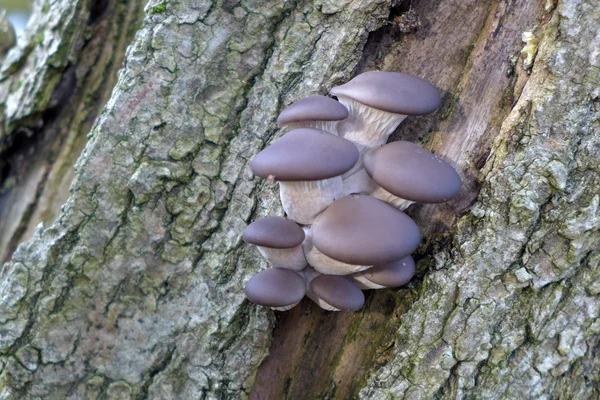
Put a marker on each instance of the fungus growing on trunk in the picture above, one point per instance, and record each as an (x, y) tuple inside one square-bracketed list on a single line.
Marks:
[(394, 274), (318, 112), (280, 289), (308, 164), (336, 293), (279, 240), (378, 101), (407, 173), (358, 232)]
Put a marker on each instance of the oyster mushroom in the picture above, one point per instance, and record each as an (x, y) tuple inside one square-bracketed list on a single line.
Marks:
[(394, 274), (406, 173), (356, 232), (280, 289), (318, 112), (335, 293), (279, 240), (378, 101), (308, 164)]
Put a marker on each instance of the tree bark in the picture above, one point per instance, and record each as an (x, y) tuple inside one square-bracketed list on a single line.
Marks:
[(136, 290)]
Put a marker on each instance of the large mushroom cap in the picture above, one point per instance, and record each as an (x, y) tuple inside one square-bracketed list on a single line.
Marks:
[(394, 274), (338, 292), (305, 154), (313, 108), (408, 171), (275, 287), (361, 230), (393, 92), (274, 232)]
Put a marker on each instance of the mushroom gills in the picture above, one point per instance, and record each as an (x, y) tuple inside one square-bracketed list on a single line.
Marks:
[(361, 183), (327, 126), (363, 283), (304, 200), (366, 127), (325, 264), (284, 258)]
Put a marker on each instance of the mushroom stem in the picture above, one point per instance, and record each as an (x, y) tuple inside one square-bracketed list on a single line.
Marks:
[(309, 274), (292, 258), (327, 126), (304, 200), (366, 127), (325, 264)]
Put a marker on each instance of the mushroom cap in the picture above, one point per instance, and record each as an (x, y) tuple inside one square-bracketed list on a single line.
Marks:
[(313, 108), (305, 154), (408, 171), (394, 274), (393, 92), (274, 232), (275, 287), (338, 292), (361, 230)]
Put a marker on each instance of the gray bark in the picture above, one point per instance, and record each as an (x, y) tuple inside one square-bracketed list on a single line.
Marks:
[(135, 291)]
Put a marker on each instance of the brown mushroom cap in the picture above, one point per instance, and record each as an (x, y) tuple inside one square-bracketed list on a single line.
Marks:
[(313, 108), (393, 92), (274, 232), (275, 287), (305, 154), (408, 171), (361, 230), (338, 292), (394, 274)]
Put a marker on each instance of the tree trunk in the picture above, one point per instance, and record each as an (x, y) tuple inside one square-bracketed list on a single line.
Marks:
[(136, 290)]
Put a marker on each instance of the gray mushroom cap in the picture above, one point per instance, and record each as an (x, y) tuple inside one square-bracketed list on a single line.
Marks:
[(408, 171), (338, 292), (305, 154), (313, 108), (393, 92), (361, 230), (394, 274), (275, 287), (274, 232)]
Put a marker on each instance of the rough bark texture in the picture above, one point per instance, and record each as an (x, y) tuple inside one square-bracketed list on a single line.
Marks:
[(52, 88), (136, 290)]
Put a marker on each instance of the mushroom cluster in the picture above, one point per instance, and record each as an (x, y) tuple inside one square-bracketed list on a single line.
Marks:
[(343, 191)]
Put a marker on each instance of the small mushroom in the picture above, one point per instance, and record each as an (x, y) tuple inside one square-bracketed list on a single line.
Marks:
[(279, 240), (280, 289), (356, 232), (318, 112), (394, 274), (336, 293), (308, 164), (378, 101), (407, 173)]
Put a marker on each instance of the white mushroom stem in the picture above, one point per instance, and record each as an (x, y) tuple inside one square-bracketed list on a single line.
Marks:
[(285, 308), (309, 274), (361, 183), (363, 283), (292, 258), (325, 264), (327, 126), (304, 200), (366, 127)]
